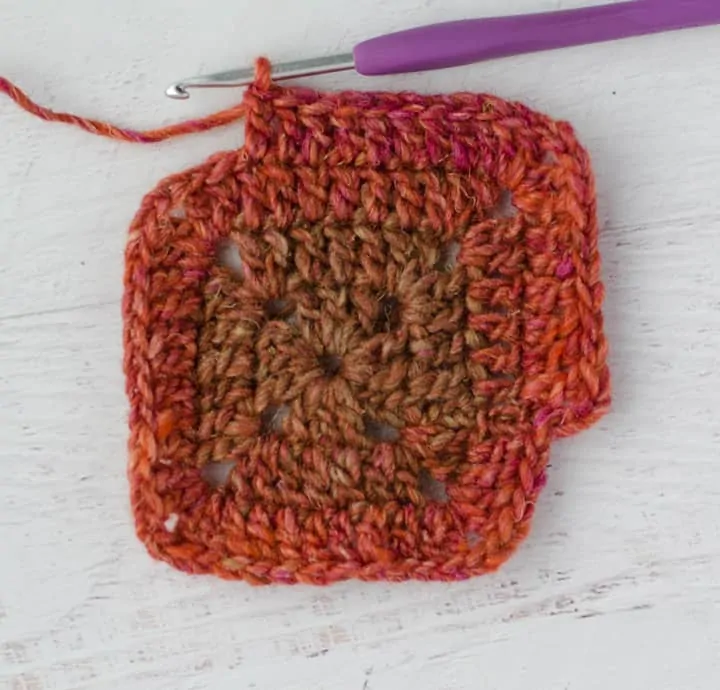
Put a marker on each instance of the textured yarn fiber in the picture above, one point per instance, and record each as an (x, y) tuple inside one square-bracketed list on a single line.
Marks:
[(384, 374)]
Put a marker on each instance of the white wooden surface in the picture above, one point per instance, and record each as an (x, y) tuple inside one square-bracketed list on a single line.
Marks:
[(618, 585)]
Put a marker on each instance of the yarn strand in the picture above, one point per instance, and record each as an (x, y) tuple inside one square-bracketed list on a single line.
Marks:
[(106, 129)]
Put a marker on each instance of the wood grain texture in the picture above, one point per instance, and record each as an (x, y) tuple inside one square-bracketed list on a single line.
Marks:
[(619, 583)]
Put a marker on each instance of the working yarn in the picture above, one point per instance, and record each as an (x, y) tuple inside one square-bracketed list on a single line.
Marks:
[(373, 392)]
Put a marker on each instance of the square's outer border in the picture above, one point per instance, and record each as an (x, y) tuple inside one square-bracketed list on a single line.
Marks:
[(562, 357)]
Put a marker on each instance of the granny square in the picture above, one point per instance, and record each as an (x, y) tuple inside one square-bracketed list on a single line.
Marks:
[(371, 388)]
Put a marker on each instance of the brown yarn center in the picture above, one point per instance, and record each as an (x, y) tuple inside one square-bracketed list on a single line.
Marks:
[(360, 337)]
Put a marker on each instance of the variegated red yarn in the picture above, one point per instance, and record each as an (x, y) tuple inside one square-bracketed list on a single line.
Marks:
[(386, 373), (387, 412)]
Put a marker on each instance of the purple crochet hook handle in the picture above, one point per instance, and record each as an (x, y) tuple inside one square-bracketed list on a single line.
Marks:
[(468, 41)]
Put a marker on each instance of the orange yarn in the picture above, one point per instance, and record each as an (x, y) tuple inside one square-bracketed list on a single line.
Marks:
[(106, 129), (387, 408)]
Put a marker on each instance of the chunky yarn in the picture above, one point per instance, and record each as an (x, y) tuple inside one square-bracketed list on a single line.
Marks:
[(372, 392)]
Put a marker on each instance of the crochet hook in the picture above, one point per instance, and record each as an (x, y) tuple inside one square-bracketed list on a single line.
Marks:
[(456, 43)]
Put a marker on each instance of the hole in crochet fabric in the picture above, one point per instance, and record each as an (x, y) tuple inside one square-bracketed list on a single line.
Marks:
[(279, 309), (217, 474), (272, 418), (178, 212), (380, 432), (331, 364), (228, 256), (431, 488), (504, 207), (171, 522), (448, 257), (388, 318), (473, 539)]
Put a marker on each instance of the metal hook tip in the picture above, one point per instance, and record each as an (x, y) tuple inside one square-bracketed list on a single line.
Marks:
[(245, 77), (177, 91)]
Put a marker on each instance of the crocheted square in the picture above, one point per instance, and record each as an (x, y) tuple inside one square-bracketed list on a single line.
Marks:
[(385, 373)]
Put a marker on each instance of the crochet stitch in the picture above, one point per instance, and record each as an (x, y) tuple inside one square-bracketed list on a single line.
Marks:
[(387, 370)]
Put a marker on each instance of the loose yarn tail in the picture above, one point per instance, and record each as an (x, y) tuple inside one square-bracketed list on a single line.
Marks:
[(106, 129)]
